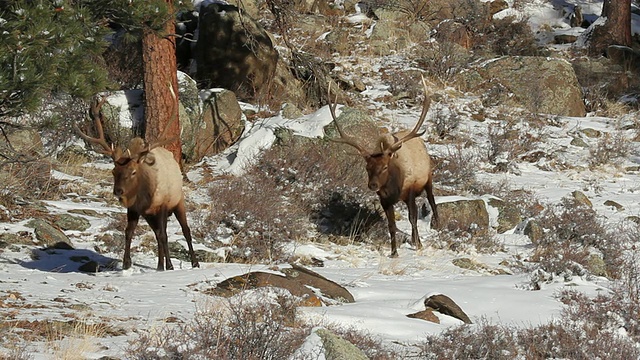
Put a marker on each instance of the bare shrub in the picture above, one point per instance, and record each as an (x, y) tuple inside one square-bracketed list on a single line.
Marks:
[(263, 327), (461, 241), (443, 61), (456, 169), (506, 36), (445, 121), (509, 140), (527, 203), (483, 341), (566, 339), (608, 148), (574, 235), (261, 215)]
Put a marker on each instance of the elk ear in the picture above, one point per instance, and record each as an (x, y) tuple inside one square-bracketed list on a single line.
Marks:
[(148, 158)]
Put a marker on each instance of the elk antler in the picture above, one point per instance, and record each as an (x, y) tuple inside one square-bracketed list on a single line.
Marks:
[(96, 115), (345, 139), (414, 133)]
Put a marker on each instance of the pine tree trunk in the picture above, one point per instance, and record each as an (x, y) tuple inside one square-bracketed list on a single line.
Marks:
[(616, 29), (161, 89)]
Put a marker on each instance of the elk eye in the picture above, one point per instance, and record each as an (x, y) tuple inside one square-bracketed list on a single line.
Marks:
[(133, 172)]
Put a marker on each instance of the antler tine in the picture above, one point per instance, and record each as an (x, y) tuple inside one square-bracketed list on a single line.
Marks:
[(345, 139), (95, 114), (425, 109)]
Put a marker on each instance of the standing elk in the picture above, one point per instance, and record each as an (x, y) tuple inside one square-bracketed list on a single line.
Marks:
[(399, 169), (147, 181)]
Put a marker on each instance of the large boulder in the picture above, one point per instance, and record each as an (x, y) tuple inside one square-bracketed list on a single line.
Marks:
[(219, 126), (461, 214), (542, 84), (233, 51)]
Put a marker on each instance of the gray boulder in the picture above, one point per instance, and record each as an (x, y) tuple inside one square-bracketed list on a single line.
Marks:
[(464, 215), (541, 84)]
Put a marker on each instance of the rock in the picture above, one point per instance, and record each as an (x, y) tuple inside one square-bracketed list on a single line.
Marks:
[(464, 215), (443, 304), (509, 215), (596, 265), (90, 267), (256, 279), (20, 238), (579, 142), (233, 51), (614, 205), (542, 84), (220, 125), (591, 133), (47, 235), (290, 111), (581, 198), (469, 264), (426, 315), (69, 222), (496, 6), (327, 287), (337, 348), (565, 39), (534, 231)]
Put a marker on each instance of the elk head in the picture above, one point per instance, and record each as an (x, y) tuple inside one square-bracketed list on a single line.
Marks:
[(126, 162), (377, 161)]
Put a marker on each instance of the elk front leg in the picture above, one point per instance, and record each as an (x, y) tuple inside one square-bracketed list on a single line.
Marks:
[(391, 220), (181, 215), (413, 220), (132, 222)]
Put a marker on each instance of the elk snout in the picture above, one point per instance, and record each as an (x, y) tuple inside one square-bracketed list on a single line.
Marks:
[(118, 192), (374, 185)]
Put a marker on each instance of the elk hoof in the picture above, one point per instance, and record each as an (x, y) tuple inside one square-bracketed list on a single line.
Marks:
[(195, 264)]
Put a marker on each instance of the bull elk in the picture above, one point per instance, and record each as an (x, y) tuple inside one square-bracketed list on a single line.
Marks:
[(147, 181), (399, 169)]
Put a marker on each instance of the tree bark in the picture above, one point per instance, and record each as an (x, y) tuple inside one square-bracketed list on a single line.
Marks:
[(161, 113), (616, 29)]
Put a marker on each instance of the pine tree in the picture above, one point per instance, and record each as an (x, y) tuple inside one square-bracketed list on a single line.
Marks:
[(152, 22), (48, 47)]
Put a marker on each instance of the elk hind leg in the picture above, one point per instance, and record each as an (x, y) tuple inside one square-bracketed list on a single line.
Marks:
[(432, 202), (413, 220), (181, 215)]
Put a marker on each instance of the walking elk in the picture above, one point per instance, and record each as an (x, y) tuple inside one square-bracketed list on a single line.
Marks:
[(147, 181), (399, 169)]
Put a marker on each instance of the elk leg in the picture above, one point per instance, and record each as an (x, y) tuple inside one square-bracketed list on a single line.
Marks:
[(181, 215), (391, 220), (413, 220), (432, 203), (160, 230), (132, 222)]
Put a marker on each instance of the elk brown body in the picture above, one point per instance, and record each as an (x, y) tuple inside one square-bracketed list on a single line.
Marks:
[(399, 168), (148, 182)]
